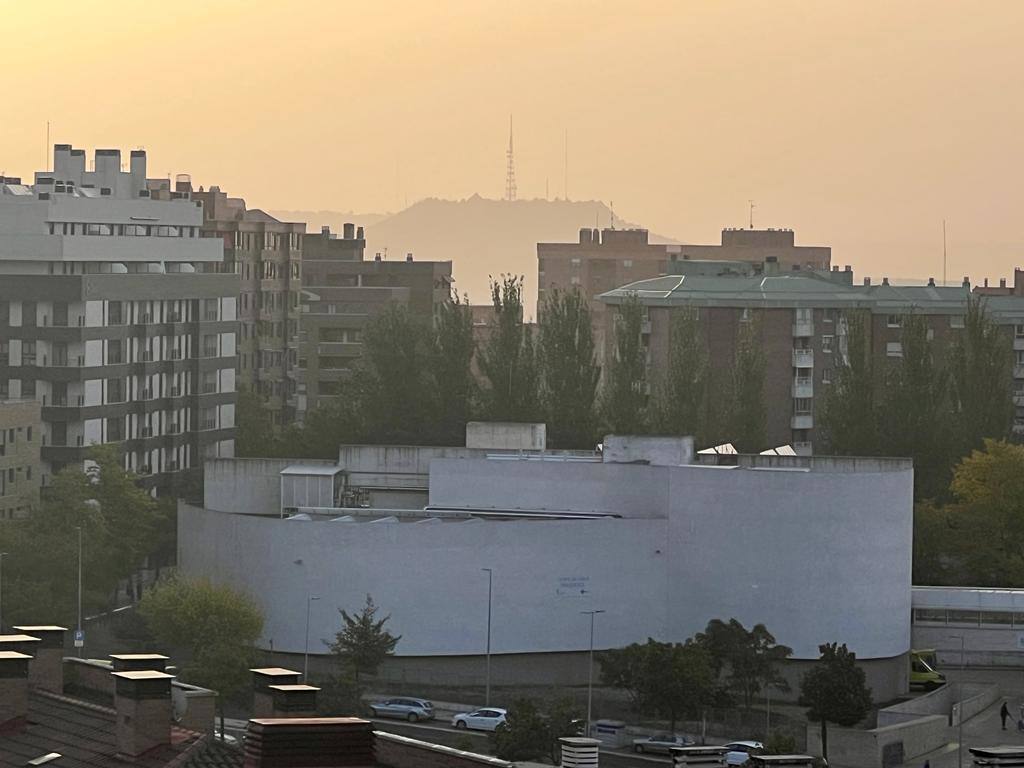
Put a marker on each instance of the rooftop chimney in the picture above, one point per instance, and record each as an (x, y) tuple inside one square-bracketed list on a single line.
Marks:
[(325, 230), (967, 282), (931, 282), (143, 702), (377, 257), (349, 230), (867, 281), (47, 668), (408, 257), (328, 742), (26, 644), (985, 282), (885, 281), (359, 233), (263, 694), (13, 689), (1002, 282), (293, 700), (139, 662), (586, 236)]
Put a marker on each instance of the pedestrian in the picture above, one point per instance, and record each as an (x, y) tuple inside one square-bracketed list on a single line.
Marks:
[(1004, 713)]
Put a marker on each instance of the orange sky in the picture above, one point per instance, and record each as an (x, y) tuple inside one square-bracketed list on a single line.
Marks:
[(859, 124)]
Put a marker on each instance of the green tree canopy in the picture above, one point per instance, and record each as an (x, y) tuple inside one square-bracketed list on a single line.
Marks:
[(747, 412), (835, 690), (507, 360), (849, 421), (748, 659), (624, 387), (568, 370), (682, 401), (524, 736), (362, 643), (452, 349)]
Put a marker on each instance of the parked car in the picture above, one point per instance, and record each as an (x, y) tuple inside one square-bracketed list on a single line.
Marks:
[(740, 751), (660, 743), (404, 708), (486, 719)]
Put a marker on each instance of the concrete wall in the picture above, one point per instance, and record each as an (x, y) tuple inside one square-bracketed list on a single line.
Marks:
[(659, 451), (247, 486), (880, 747), (491, 435), (394, 751)]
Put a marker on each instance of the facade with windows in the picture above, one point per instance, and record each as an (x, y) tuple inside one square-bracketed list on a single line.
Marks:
[(341, 293), (107, 320), (974, 626), (20, 471), (801, 320)]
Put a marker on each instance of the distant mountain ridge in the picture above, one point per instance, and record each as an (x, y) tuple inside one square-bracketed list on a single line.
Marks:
[(481, 237)]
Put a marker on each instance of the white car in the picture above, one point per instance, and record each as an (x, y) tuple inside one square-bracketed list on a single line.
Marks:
[(486, 719), (740, 751)]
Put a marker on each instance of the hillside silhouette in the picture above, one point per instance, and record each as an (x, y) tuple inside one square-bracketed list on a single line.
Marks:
[(480, 237)]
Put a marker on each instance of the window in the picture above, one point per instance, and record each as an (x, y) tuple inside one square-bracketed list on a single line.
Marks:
[(963, 617), (956, 321), (829, 315), (826, 376), (136, 230), (1020, 357), (28, 353), (1018, 331), (99, 229), (627, 263), (574, 280), (999, 618), (166, 231), (826, 343), (894, 321), (803, 315), (575, 261), (802, 405), (745, 315), (893, 349)]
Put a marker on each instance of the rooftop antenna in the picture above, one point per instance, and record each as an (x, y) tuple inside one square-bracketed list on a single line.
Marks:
[(611, 207), (752, 206), (510, 174), (943, 252)]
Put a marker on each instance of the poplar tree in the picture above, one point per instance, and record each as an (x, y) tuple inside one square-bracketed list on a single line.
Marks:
[(748, 414), (451, 367), (682, 392), (507, 359), (849, 418), (624, 389)]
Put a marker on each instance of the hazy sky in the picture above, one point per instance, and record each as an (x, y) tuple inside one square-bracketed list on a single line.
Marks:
[(859, 124)]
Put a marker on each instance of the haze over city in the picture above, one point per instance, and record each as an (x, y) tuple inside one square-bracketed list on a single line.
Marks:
[(860, 126)]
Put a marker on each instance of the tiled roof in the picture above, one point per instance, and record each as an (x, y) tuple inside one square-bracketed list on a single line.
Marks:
[(84, 735), (215, 754)]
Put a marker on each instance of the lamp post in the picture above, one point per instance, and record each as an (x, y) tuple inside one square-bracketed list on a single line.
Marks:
[(79, 633), (490, 594), (590, 670), (960, 705), (305, 660), (2, 555)]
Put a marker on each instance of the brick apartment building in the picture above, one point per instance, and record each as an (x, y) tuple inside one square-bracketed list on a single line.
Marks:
[(266, 255), (341, 292), (21, 430), (606, 259), (108, 320), (802, 319)]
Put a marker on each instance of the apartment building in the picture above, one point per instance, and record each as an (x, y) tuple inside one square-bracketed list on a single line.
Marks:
[(341, 292), (266, 256), (801, 319), (108, 320), (605, 259), (20, 471)]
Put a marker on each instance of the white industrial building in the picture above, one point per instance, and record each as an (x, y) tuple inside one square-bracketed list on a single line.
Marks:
[(818, 549)]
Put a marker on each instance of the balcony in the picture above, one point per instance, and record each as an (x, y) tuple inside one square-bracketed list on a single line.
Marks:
[(1018, 343), (802, 421), (803, 329), (209, 424), (803, 387), (1018, 398), (803, 358), (803, 449)]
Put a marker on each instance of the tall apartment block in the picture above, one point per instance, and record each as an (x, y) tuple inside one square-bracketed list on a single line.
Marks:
[(108, 320), (606, 259), (341, 292), (266, 256), (801, 320), (20, 470)]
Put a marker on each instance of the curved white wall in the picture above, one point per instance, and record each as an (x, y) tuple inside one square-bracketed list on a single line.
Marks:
[(815, 556)]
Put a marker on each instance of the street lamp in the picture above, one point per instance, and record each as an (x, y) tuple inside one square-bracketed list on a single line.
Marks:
[(78, 634), (960, 708), (490, 593), (590, 671), (305, 660), (2, 555)]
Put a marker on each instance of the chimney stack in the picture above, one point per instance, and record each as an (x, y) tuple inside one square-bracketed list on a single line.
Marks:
[(46, 670), (349, 230), (885, 281), (967, 282), (263, 678), (293, 700), (931, 282), (408, 257), (771, 265), (139, 662), (329, 742), (1002, 282), (325, 230), (359, 233), (144, 714), (867, 281), (13, 689)]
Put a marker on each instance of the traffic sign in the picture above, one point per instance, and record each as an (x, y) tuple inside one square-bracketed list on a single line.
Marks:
[(79, 638)]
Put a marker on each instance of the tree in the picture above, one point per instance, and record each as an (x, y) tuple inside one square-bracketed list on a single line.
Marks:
[(682, 393), (451, 368), (747, 407), (255, 434), (848, 418), (562, 719), (525, 734), (914, 419), (667, 679), (568, 371), (362, 644), (215, 625), (980, 364), (748, 658), (624, 389), (507, 359), (835, 690)]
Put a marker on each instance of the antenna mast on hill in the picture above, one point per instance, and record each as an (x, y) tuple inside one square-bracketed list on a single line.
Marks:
[(510, 174), (752, 206), (943, 251)]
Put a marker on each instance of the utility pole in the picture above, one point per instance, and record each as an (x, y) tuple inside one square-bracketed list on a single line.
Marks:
[(590, 672), (487, 679), (79, 633), (305, 660), (510, 173), (752, 206)]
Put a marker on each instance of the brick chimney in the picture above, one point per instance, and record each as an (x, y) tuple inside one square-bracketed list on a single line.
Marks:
[(27, 644), (47, 668), (13, 689), (262, 680), (326, 742), (142, 699), (139, 662), (294, 700)]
